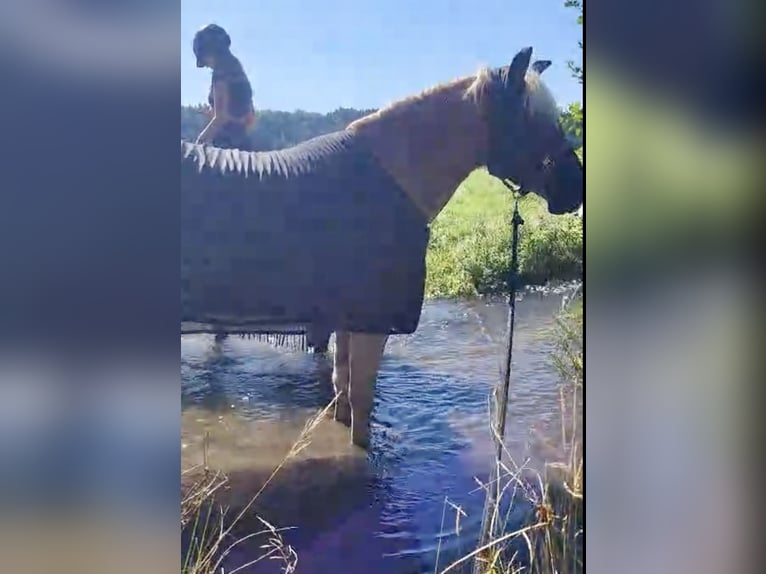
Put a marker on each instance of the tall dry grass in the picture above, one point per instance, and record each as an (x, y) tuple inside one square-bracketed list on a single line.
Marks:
[(210, 532), (551, 539)]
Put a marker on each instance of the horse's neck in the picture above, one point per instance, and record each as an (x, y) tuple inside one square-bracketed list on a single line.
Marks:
[(428, 145)]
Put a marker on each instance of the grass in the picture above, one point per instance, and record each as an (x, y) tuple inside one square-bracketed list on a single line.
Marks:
[(470, 249)]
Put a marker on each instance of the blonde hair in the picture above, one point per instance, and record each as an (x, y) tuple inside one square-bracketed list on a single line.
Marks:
[(541, 100), (406, 103)]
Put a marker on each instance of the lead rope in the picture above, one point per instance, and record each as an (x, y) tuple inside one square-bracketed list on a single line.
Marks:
[(501, 394)]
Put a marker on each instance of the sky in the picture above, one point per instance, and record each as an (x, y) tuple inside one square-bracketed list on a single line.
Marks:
[(319, 55)]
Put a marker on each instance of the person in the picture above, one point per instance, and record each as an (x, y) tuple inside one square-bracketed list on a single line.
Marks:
[(230, 97)]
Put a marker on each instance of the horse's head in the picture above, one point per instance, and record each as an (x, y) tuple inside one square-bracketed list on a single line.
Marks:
[(526, 141)]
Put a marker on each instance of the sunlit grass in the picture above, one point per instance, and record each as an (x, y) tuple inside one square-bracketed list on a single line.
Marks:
[(470, 249)]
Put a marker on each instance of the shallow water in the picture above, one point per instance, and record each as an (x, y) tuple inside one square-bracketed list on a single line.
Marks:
[(383, 511)]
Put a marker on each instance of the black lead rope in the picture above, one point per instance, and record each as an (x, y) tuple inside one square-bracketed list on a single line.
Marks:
[(513, 285), (501, 391)]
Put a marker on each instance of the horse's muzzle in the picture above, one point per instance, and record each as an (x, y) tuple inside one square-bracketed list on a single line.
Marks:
[(565, 185)]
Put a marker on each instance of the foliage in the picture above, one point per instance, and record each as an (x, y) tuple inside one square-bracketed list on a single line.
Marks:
[(470, 249), (572, 122), (577, 71), (572, 117), (279, 129), (275, 129)]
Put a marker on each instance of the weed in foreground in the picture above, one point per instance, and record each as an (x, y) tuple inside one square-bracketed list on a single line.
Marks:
[(552, 535), (210, 537)]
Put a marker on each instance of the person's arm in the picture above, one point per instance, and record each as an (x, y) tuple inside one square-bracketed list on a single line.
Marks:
[(220, 113)]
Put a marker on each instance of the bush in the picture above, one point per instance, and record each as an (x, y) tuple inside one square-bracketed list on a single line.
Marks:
[(470, 249)]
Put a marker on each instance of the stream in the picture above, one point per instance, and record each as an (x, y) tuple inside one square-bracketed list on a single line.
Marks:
[(392, 509)]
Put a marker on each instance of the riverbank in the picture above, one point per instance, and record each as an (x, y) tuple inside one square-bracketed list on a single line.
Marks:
[(470, 249)]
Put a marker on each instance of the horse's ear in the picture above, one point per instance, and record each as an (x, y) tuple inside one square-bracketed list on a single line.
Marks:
[(518, 68), (540, 66)]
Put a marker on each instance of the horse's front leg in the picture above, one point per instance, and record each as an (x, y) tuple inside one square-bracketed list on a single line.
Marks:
[(340, 377), (366, 351)]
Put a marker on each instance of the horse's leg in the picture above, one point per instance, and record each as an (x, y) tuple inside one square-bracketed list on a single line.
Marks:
[(340, 377), (366, 351), (321, 343), (318, 338)]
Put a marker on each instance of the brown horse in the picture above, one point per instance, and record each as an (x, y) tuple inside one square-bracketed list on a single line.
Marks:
[(503, 119), (331, 234)]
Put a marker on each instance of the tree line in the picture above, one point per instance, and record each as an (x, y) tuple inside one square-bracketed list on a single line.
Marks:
[(275, 129), (278, 129)]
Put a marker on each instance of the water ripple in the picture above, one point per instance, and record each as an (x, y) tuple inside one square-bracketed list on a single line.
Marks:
[(430, 434)]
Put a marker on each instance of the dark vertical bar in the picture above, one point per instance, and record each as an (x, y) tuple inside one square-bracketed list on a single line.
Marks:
[(501, 401)]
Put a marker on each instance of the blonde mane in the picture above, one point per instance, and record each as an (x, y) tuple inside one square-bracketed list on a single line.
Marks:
[(406, 104), (429, 142), (541, 100), (478, 88)]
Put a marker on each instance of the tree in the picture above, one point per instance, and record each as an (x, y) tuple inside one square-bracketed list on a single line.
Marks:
[(275, 129), (572, 117), (577, 4)]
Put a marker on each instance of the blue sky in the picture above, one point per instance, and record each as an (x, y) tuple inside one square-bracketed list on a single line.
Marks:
[(318, 55)]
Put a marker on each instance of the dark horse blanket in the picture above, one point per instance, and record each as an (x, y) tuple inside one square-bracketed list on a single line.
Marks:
[(317, 234)]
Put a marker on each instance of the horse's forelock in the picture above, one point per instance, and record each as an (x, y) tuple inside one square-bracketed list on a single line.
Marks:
[(478, 88), (541, 99)]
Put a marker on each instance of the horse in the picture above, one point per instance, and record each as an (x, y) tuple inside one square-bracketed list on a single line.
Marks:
[(412, 156)]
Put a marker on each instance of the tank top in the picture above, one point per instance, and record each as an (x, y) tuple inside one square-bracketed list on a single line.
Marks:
[(240, 101)]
